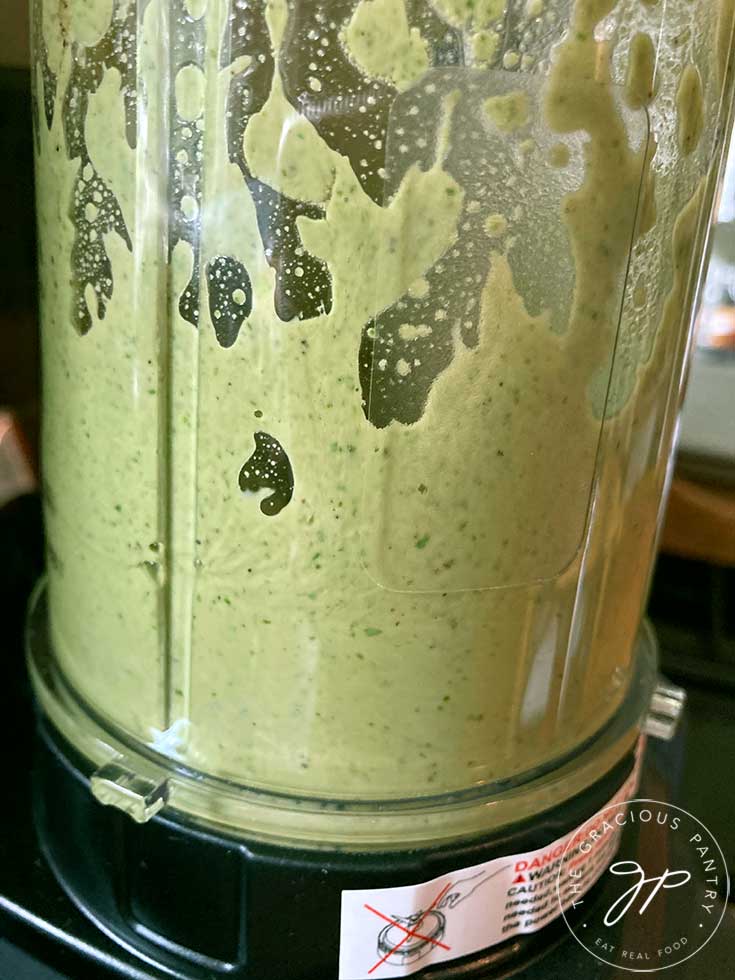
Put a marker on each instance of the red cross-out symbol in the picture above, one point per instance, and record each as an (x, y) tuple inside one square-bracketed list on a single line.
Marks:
[(412, 933)]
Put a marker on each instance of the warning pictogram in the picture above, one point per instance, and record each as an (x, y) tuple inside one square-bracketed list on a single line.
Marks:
[(405, 939), (397, 932)]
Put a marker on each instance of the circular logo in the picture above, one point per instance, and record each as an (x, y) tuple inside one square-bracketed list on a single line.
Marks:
[(661, 885)]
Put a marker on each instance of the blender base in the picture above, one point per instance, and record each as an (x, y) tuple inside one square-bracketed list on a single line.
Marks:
[(196, 904)]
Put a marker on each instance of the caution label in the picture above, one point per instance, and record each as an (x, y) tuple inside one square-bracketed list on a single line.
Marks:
[(394, 932)]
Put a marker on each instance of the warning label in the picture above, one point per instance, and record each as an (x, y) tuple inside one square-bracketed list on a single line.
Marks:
[(393, 932)]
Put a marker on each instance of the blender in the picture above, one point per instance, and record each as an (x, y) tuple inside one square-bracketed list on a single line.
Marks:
[(364, 326)]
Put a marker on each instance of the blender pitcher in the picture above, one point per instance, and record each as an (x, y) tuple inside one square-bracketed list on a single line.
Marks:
[(364, 325)]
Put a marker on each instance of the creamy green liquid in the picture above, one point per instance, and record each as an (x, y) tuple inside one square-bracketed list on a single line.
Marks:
[(428, 610)]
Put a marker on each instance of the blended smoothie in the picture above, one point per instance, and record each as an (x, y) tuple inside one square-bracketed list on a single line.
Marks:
[(362, 323)]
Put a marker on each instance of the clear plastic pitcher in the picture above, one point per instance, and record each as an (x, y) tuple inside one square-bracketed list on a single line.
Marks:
[(364, 325)]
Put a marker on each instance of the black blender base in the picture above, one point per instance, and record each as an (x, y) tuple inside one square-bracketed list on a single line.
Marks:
[(198, 905)]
